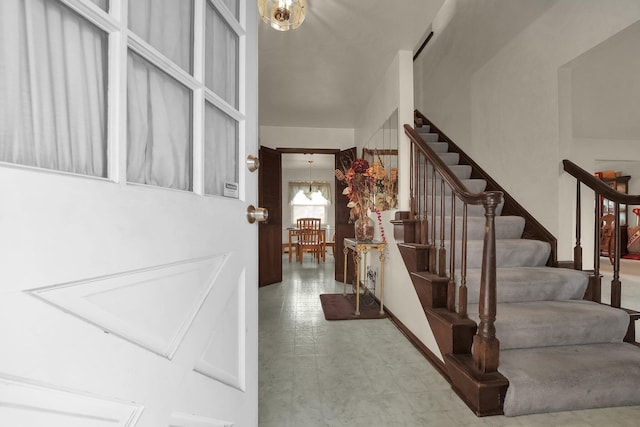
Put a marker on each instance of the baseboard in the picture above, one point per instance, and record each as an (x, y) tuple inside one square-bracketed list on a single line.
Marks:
[(423, 349)]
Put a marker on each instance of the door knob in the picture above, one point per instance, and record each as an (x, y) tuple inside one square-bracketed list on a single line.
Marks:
[(253, 163), (256, 214)]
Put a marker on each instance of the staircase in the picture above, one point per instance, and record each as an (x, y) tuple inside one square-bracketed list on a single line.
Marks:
[(551, 347)]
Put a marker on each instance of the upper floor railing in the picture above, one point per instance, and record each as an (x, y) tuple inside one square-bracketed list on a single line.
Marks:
[(601, 191)]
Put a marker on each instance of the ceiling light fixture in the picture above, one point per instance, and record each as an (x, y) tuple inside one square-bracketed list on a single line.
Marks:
[(309, 193), (283, 15)]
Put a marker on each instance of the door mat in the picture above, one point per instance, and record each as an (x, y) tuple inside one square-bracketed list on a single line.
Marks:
[(343, 307)]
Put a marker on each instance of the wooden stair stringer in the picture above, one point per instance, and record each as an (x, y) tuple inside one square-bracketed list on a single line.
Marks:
[(483, 393)]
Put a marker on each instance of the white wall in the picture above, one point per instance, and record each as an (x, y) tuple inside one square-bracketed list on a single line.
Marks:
[(501, 103), (294, 137), (395, 91)]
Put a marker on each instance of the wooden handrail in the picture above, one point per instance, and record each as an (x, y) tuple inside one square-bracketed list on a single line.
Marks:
[(533, 229), (601, 190), (486, 347), (599, 186), (454, 182)]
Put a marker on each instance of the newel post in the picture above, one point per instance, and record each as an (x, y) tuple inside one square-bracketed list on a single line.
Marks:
[(486, 347)]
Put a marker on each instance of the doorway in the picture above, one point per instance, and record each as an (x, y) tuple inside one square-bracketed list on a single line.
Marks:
[(293, 164)]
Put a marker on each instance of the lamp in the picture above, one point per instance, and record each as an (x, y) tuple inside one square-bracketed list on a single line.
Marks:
[(283, 15), (309, 193)]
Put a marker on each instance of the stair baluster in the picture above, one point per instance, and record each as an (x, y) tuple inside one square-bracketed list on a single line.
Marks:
[(577, 250), (442, 252), (602, 191), (451, 289), (424, 224), (462, 291), (412, 200), (616, 287), (595, 282), (432, 239)]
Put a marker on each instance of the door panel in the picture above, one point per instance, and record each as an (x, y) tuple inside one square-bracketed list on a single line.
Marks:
[(343, 227), (130, 305), (270, 231)]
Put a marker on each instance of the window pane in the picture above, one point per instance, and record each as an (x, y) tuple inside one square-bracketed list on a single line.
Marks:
[(220, 151), (53, 88), (103, 4), (221, 68), (308, 211), (167, 25), (158, 127)]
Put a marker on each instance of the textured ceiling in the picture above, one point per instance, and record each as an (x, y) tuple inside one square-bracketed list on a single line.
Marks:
[(322, 73)]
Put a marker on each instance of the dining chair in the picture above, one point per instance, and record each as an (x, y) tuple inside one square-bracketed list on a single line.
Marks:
[(309, 238)]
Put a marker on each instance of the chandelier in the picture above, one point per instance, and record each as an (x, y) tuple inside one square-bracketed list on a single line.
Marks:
[(283, 15), (309, 193)]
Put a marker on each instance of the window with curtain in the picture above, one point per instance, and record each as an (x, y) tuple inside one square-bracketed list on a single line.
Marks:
[(53, 85), (54, 74), (309, 200)]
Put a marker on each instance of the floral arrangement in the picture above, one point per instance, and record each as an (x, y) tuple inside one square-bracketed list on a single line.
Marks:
[(385, 188), (360, 182)]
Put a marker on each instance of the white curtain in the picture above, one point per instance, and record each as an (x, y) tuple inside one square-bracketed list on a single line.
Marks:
[(323, 187), (221, 130), (165, 25), (221, 59), (220, 150), (158, 107), (158, 127), (52, 88)]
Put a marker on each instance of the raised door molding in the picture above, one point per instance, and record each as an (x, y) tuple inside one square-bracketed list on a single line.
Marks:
[(26, 403), (179, 419), (223, 360), (151, 307)]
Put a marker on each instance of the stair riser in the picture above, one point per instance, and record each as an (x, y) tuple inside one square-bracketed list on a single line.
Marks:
[(528, 284), (472, 210), (506, 227), (509, 253), (556, 323)]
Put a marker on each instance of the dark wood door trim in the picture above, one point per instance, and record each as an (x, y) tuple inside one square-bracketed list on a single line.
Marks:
[(343, 227), (270, 231)]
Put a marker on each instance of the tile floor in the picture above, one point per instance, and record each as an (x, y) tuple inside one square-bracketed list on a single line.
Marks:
[(363, 372)]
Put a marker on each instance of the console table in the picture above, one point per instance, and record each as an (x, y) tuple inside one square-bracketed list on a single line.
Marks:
[(360, 249)]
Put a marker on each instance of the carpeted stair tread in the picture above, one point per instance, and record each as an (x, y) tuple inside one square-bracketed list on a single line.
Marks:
[(554, 323), (473, 185), (507, 227), (461, 171), (429, 137), (439, 147), (558, 351), (524, 284), (568, 378), (509, 253), (423, 129), (449, 158), (472, 210)]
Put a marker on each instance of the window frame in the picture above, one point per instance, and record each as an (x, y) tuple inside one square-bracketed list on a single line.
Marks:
[(120, 39)]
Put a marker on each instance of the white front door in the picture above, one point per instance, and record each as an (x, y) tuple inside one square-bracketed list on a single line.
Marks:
[(125, 302)]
